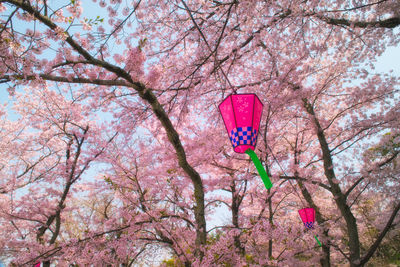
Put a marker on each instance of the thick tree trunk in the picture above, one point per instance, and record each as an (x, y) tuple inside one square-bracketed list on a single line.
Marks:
[(147, 95), (235, 218), (340, 198), (173, 137)]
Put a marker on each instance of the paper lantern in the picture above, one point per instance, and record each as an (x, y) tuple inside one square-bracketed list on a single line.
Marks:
[(307, 215), (242, 115)]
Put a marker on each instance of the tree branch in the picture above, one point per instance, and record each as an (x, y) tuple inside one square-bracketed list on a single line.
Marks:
[(357, 7), (48, 77), (387, 23), (388, 160), (353, 186), (378, 241), (327, 187)]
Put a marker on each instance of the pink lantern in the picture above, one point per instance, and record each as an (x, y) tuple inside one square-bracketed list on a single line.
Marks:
[(308, 217), (242, 114), (38, 264)]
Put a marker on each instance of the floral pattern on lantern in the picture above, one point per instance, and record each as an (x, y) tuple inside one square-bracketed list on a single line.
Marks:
[(242, 114)]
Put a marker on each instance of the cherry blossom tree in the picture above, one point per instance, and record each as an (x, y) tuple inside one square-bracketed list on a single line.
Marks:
[(134, 90)]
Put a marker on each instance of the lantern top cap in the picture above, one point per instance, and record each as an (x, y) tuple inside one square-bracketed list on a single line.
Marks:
[(240, 94), (307, 209)]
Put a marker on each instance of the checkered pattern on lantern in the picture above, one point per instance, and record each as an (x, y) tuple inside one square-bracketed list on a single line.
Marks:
[(309, 224), (243, 136)]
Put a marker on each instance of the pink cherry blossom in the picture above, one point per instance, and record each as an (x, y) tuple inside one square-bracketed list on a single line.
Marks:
[(113, 151)]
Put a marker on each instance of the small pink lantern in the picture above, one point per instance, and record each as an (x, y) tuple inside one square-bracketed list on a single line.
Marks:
[(242, 115), (308, 217), (38, 264)]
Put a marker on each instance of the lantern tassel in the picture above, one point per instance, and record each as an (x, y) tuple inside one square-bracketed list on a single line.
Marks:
[(260, 168), (319, 243)]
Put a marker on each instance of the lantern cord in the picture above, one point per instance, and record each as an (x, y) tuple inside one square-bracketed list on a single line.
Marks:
[(294, 188), (260, 168), (319, 243)]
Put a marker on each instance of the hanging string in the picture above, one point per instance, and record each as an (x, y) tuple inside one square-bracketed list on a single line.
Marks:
[(294, 188), (227, 79), (208, 45)]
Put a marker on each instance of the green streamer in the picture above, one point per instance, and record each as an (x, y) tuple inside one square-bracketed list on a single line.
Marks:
[(260, 168), (319, 243)]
